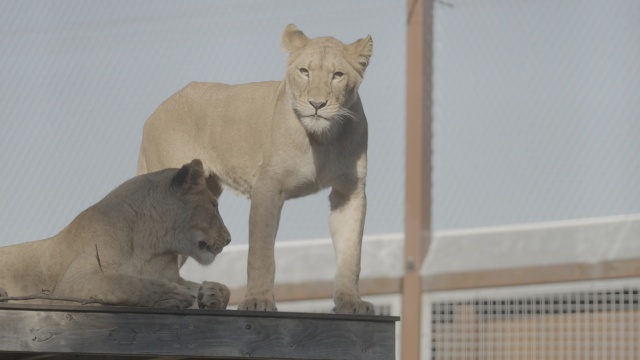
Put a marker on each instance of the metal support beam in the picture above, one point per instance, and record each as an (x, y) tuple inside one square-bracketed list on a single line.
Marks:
[(418, 168)]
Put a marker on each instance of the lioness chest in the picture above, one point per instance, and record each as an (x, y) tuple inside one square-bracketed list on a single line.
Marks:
[(313, 167)]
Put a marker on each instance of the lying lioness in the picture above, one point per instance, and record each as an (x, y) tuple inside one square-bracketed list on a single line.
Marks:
[(123, 249)]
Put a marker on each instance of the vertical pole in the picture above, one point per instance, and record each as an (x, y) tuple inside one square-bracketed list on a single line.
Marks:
[(418, 168)]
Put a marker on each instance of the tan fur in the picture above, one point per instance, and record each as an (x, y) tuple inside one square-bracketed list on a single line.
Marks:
[(268, 142), (123, 249)]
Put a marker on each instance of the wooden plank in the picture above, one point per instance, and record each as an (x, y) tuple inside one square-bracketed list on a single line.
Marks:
[(530, 275), (102, 330)]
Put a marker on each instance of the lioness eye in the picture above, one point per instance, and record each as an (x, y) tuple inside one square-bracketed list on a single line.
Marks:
[(337, 75), (304, 72)]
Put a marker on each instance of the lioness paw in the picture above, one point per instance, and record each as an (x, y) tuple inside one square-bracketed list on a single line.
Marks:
[(257, 304), (354, 307), (213, 296), (175, 296), (3, 293)]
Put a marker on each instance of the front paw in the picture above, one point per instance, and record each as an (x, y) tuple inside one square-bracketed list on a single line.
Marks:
[(213, 296), (256, 303), (175, 296), (355, 306), (3, 293)]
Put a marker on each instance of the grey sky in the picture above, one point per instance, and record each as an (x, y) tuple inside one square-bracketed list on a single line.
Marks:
[(536, 103), (80, 78), (537, 111)]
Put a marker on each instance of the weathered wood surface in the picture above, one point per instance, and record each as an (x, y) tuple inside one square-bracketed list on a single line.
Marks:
[(123, 331)]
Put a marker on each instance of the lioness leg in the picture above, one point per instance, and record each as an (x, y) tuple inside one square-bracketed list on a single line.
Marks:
[(3, 294), (213, 295), (122, 289), (264, 217), (347, 223)]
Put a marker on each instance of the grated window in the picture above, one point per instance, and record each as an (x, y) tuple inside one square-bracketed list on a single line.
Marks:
[(571, 325), (384, 310)]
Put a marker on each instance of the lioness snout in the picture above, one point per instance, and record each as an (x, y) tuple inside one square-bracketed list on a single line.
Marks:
[(228, 240), (317, 104)]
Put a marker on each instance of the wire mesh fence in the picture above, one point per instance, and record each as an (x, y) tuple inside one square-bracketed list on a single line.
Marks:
[(536, 118), (595, 324)]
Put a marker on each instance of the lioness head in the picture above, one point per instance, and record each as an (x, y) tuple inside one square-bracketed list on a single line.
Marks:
[(323, 76), (199, 229)]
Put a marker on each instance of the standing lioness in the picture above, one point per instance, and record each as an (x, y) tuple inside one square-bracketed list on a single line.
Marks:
[(123, 249), (277, 140)]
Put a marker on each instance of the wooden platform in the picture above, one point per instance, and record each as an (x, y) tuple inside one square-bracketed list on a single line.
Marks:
[(105, 332)]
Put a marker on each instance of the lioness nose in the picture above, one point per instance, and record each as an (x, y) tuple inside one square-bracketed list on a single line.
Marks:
[(228, 240), (317, 104)]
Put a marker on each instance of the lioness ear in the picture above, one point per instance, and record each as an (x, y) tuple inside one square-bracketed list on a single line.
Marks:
[(362, 49), (189, 175), (293, 39)]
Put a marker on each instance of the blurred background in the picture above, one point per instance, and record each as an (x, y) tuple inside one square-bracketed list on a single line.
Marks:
[(79, 79), (536, 143), (536, 103)]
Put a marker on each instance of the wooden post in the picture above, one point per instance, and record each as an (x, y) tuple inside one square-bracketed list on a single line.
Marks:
[(418, 168)]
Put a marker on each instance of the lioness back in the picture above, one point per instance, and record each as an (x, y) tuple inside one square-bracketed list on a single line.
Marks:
[(217, 115)]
